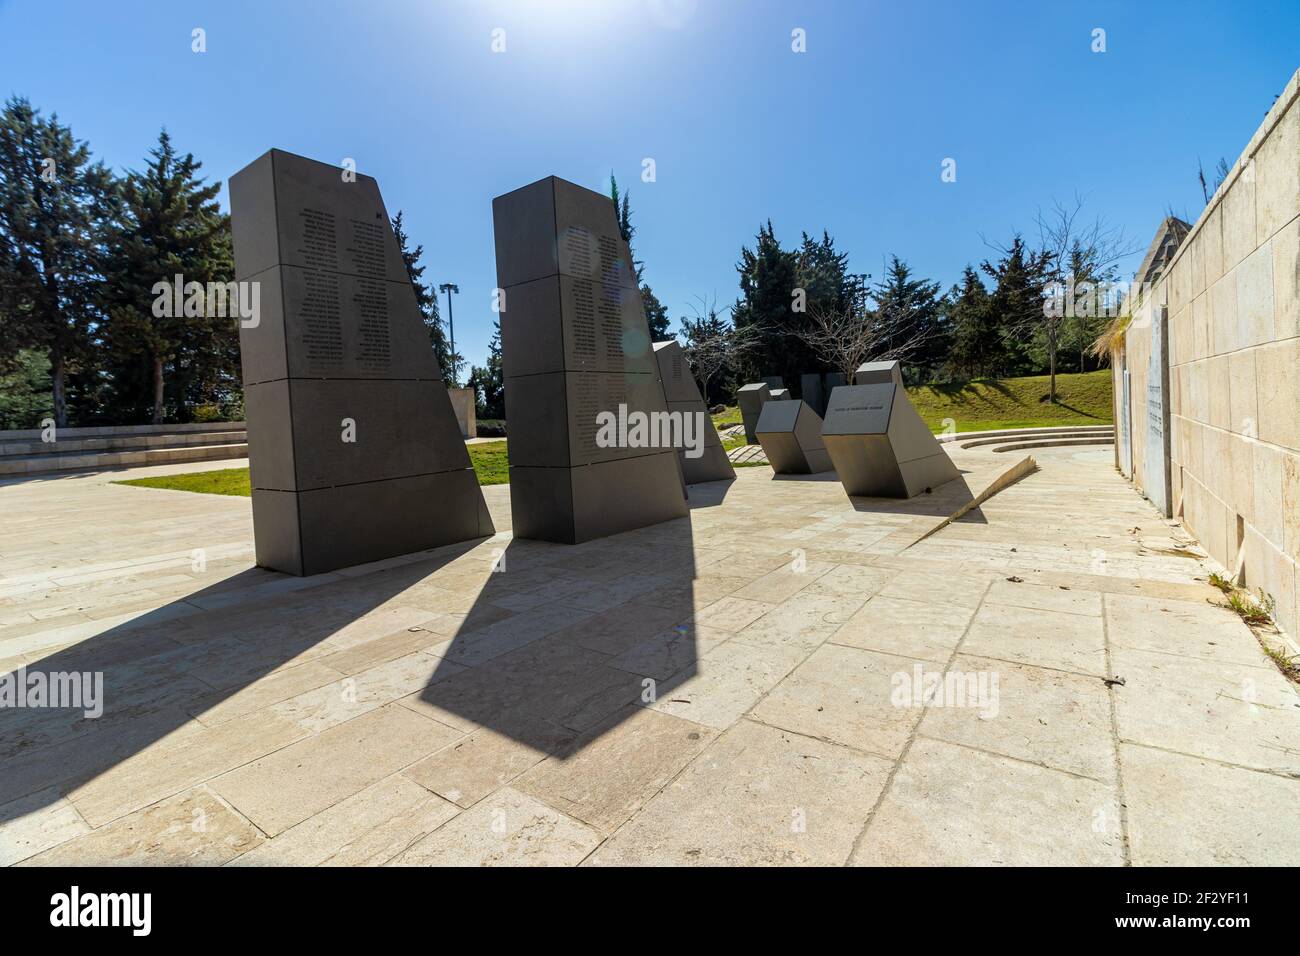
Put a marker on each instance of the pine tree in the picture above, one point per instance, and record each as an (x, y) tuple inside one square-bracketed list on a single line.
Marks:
[(911, 307), (427, 301), (656, 313), (1020, 278), (779, 288), (768, 278), (489, 382), (24, 389), (170, 226), (56, 210), (976, 344)]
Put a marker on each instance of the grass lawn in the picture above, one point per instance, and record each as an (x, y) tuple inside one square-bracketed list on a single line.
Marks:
[(489, 460), (1016, 402), (974, 406), (1002, 403)]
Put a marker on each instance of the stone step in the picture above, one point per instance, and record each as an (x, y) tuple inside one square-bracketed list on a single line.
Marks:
[(1107, 434), (119, 442), (1055, 443), (45, 464), (103, 431)]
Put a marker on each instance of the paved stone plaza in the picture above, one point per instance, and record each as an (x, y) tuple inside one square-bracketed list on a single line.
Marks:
[(720, 689)]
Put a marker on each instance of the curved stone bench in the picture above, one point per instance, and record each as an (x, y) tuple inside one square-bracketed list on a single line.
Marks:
[(1034, 436), (1054, 443)]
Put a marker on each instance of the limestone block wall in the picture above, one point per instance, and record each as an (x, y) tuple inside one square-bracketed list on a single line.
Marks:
[(1233, 299)]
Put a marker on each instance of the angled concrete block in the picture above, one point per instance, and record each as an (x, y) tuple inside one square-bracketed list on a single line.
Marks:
[(790, 433), (878, 373), (751, 399), (354, 450), (684, 399), (810, 384), (780, 395), (879, 444), (576, 347)]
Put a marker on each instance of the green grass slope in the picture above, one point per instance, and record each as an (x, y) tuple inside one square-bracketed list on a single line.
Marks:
[(489, 458), (1081, 399), (988, 404)]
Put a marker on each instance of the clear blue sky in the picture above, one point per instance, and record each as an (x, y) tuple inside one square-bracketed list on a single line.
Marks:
[(848, 136)]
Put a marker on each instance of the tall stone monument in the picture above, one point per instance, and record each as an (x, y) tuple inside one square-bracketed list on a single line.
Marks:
[(880, 445), (791, 435), (684, 399), (751, 398), (354, 452), (576, 351)]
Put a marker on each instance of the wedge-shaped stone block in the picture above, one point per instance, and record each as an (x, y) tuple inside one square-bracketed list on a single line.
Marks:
[(575, 354), (708, 460), (315, 531), (350, 428), (879, 444), (878, 373), (791, 435), (751, 399), (810, 385), (572, 505)]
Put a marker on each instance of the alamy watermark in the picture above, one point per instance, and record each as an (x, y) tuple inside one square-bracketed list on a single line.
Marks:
[(75, 690), (922, 688), (219, 300), (637, 429)]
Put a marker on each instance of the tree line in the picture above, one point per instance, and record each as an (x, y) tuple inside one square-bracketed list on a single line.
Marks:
[(803, 308), (81, 251)]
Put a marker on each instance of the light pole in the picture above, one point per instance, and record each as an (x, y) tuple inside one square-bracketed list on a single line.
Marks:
[(449, 288)]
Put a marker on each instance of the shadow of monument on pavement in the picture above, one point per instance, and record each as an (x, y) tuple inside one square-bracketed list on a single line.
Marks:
[(167, 667), (597, 629)]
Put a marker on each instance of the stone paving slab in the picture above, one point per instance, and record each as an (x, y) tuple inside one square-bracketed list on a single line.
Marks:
[(733, 688), (951, 805)]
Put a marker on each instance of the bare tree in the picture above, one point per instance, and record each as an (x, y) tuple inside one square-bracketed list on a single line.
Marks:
[(845, 337), (714, 344), (1084, 255)]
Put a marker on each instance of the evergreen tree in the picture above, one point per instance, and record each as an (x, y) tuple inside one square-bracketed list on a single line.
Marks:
[(56, 209), (912, 308), (778, 290), (489, 382), (1020, 278), (426, 298), (768, 277), (24, 389), (170, 226), (976, 343), (656, 313)]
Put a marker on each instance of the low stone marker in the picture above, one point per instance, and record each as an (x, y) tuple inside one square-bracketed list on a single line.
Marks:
[(684, 399), (462, 403), (878, 373), (810, 384), (751, 399), (790, 433), (780, 395), (879, 444)]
